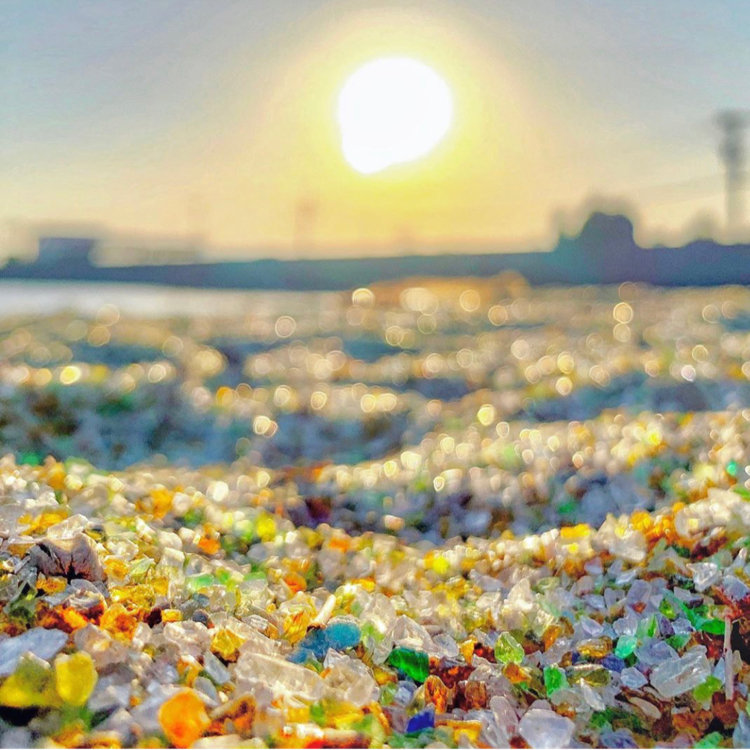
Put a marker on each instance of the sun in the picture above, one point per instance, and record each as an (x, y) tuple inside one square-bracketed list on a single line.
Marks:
[(390, 111)]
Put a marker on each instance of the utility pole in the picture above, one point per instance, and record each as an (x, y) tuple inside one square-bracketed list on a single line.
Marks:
[(732, 124)]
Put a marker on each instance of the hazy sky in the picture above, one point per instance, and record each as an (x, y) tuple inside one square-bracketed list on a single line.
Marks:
[(216, 116)]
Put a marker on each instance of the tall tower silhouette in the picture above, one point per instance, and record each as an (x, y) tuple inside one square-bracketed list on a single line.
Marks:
[(732, 124)]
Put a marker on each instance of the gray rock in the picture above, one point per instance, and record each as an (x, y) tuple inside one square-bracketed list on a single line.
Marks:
[(543, 728), (41, 642)]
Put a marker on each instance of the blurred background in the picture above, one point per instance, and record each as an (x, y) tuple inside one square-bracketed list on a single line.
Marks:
[(178, 131), (339, 238)]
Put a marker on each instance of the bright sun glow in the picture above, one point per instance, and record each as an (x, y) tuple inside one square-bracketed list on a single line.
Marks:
[(392, 111)]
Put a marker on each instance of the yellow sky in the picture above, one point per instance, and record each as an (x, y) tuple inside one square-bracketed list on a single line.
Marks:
[(230, 134), (481, 182)]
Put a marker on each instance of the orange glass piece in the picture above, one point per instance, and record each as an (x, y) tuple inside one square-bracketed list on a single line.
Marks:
[(516, 674), (71, 736), (340, 543), (235, 717), (436, 692), (475, 695), (119, 623), (184, 719), (62, 618), (209, 545), (550, 635), (295, 582)]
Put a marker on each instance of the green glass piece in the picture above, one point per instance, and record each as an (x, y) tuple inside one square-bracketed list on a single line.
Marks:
[(23, 606), (318, 714), (715, 627), (387, 692), (140, 568), (601, 720), (678, 641), (732, 471), (567, 508), (706, 689), (508, 650), (646, 628), (193, 517), (626, 645), (554, 679), (667, 609), (414, 664), (196, 583), (710, 740)]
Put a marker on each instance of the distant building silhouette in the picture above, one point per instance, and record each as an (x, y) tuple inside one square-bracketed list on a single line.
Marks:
[(65, 251), (603, 252)]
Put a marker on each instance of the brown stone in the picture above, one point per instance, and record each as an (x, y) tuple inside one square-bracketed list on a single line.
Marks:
[(73, 558), (725, 711), (472, 694), (693, 723)]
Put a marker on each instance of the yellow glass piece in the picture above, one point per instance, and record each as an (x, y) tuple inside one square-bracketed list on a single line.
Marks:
[(75, 677), (226, 644), (162, 501), (41, 523), (296, 624), (467, 650), (116, 568), (438, 563), (56, 477), (140, 596), (51, 585), (571, 533), (265, 527), (470, 729), (32, 684), (641, 520)]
